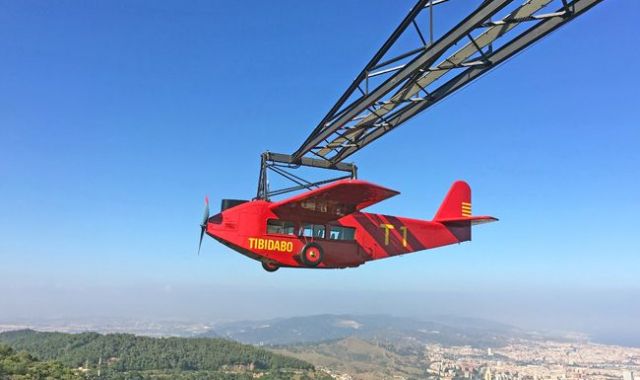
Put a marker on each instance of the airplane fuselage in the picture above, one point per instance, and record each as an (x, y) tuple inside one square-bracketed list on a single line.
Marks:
[(254, 230)]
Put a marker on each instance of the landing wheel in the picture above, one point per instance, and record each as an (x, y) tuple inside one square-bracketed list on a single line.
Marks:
[(270, 266), (311, 254)]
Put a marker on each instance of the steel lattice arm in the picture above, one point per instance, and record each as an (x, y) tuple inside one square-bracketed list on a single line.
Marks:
[(410, 82)]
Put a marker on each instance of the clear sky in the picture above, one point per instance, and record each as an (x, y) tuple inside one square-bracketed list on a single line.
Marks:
[(116, 118)]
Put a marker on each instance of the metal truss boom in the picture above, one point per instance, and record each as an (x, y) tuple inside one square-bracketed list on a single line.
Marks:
[(404, 84)]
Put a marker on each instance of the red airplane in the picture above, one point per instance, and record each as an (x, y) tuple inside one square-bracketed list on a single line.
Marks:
[(325, 228)]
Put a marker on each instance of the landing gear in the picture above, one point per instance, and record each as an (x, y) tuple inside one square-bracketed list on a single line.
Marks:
[(311, 254), (270, 266)]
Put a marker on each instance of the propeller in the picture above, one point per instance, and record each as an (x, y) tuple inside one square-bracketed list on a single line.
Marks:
[(203, 225)]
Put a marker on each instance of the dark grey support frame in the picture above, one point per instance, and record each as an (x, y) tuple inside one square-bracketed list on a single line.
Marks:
[(408, 86), (282, 164), (413, 81)]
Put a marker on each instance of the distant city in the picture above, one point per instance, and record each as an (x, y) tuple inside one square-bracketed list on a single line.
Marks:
[(349, 347)]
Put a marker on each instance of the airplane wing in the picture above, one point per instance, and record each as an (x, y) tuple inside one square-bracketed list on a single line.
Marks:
[(331, 202)]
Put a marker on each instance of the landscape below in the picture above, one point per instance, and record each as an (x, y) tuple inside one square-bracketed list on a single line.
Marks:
[(125, 356), (344, 347)]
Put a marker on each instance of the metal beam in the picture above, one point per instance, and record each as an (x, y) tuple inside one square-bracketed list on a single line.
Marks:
[(310, 162), (455, 60), (328, 126), (525, 39), (372, 63)]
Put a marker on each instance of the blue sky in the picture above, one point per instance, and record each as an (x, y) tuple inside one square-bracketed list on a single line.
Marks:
[(116, 118)]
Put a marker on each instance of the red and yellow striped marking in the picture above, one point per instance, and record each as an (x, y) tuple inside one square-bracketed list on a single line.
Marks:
[(466, 209)]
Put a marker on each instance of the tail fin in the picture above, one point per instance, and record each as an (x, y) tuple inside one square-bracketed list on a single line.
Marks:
[(455, 212), (457, 203)]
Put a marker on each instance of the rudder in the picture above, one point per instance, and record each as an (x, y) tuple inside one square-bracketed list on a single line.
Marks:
[(457, 202)]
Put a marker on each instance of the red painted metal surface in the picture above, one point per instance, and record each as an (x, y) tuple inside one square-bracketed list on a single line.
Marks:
[(330, 216), (331, 202)]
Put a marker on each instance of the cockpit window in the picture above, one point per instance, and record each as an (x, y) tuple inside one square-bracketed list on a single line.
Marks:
[(282, 227)]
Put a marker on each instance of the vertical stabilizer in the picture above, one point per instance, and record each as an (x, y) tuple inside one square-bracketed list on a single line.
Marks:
[(457, 203), (455, 212)]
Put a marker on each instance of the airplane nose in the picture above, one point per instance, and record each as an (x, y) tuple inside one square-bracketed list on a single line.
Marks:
[(216, 219)]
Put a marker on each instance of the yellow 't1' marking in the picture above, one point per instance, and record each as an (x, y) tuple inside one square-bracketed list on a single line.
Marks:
[(387, 227), (404, 235)]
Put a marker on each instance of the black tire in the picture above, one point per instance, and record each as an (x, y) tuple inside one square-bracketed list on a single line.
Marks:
[(269, 266), (311, 254)]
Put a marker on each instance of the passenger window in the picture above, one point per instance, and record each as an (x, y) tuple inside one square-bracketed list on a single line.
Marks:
[(318, 231), (341, 233), (306, 230), (282, 227), (313, 230)]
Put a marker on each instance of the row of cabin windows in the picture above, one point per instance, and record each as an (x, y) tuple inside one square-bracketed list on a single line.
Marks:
[(318, 231)]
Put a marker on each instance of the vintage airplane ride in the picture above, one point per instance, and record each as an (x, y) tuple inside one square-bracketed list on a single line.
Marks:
[(325, 228)]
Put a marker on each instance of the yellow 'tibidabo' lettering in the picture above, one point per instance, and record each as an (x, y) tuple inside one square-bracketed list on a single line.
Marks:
[(270, 244)]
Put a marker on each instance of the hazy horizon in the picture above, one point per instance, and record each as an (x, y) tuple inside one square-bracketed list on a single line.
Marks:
[(607, 316)]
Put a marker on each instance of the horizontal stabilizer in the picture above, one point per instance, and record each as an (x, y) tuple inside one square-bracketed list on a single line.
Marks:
[(463, 220)]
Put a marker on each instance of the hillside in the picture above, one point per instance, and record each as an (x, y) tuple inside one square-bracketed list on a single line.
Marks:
[(157, 357), (21, 365), (363, 360), (316, 328)]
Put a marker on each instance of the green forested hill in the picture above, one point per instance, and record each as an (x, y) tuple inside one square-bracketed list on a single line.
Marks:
[(125, 353), (21, 365)]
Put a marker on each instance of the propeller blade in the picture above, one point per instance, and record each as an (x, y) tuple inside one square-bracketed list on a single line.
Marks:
[(203, 225), (206, 211), (201, 236)]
